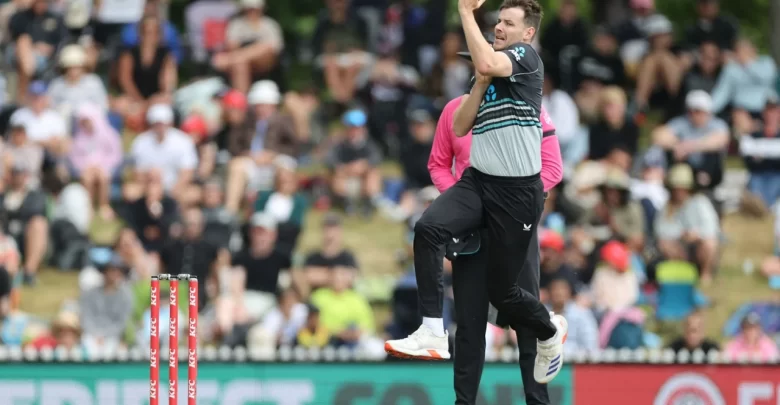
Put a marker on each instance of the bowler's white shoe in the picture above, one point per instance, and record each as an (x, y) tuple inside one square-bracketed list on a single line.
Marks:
[(421, 345), (549, 353)]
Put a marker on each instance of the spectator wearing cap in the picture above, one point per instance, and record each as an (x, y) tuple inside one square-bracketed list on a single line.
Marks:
[(648, 189), (449, 77), (254, 43), (25, 208), (688, 228), (320, 264), (752, 342), (95, 155), (615, 285), (36, 32), (167, 151), (285, 203), (701, 74), (697, 138), (19, 149), (597, 66), (414, 161), (255, 277), (583, 333), (632, 28), (106, 310), (76, 85), (344, 312), (354, 164), (613, 130), (147, 71), (712, 26), (660, 72), (170, 35), (339, 43), (553, 264), (234, 111), (43, 125), (761, 152), (198, 129), (266, 133), (743, 85)]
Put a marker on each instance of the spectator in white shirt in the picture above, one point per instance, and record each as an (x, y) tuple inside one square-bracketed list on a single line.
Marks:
[(76, 86), (44, 126), (167, 152), (281, 325), (566, 117), (583, 329)]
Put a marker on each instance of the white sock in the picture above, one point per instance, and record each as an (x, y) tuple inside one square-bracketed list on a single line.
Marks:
[(435, 324)]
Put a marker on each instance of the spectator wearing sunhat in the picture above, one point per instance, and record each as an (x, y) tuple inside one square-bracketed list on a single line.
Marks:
[(76, 85), (617, 216), (752, 342), (688, 228), (65, 333), (698, 138), (165, 152), (354, 164), (106, 310), (254, 43), (265, 133)]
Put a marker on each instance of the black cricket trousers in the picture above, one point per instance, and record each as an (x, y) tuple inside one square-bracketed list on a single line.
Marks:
[(469, 284), (509, 208)]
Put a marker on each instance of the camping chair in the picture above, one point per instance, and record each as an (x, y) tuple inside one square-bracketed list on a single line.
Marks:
[(677, 294)]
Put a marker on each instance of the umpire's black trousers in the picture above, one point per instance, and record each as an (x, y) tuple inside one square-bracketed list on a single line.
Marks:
[(509, 209), (469, 284)]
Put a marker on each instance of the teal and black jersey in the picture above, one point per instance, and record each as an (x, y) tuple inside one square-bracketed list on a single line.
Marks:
[(507, 133)]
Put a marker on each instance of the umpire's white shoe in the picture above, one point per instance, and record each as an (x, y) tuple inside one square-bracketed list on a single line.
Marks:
[(549, 353), (421, 345)]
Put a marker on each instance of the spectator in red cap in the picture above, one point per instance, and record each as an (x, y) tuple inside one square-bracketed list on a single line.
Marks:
[(615, 285), (553, 264), (234, 108), (196, 127)]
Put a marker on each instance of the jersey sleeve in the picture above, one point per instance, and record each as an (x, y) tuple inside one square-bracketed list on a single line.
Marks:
[(524, 59), (548, 127)]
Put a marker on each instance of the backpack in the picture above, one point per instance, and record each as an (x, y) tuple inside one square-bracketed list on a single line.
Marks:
[(626, 335)]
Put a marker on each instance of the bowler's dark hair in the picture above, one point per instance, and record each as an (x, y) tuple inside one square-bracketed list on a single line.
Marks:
[(533, 11)]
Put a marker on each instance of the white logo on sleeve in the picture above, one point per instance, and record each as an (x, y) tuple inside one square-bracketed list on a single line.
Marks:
[(526, 227)]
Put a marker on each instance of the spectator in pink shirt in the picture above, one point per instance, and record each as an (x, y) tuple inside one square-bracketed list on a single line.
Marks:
[(752, 342), (449, 158), (95, 155)]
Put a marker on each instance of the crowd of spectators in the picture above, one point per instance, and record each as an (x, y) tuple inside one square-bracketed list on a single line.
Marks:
[(206, 173)]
